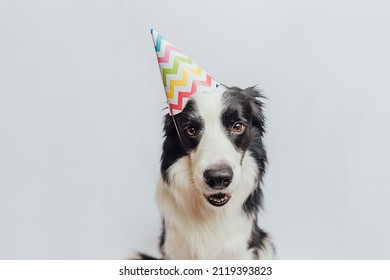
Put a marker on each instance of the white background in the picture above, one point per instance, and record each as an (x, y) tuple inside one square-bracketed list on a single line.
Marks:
[(81, 104)]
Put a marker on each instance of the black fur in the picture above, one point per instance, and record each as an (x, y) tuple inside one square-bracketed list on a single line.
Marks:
[(141, 256), (237, 108), (162, 238), (172, 148), (257, 237)]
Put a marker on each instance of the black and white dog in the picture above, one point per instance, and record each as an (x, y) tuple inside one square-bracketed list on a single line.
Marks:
[(212, 165)]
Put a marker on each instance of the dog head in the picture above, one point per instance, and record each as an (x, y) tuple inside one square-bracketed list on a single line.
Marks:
[(216, 130)]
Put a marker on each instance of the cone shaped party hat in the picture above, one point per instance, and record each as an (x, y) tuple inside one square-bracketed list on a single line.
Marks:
[(181, 76)]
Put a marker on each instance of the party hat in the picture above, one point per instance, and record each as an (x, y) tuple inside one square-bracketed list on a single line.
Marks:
[(181, 76)]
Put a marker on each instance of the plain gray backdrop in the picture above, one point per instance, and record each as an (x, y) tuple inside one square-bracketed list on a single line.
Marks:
[(81, 107)]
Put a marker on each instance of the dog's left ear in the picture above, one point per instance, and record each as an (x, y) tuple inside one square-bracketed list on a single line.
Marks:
[(255, 97)]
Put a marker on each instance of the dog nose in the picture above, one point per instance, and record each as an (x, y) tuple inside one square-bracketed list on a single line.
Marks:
[(219, 177)]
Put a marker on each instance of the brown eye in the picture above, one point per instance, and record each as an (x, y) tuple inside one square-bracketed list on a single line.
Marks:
[(238, 128), (191, 131)]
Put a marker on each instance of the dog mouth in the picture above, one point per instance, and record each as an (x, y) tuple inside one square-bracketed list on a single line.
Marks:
[(218, 199)]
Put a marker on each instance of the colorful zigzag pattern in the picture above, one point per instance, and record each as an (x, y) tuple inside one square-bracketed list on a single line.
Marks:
[(181, 76)]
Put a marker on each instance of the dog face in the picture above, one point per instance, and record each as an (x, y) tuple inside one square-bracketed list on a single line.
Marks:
[(215, 130)]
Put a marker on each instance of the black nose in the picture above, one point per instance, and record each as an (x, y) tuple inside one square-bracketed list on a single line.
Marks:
[(219, 177)]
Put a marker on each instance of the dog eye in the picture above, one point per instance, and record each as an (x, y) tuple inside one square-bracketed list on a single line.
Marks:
[(238, 128), (190, 130)]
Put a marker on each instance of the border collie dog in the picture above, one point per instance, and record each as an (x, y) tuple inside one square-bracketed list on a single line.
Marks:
[(212, 164)]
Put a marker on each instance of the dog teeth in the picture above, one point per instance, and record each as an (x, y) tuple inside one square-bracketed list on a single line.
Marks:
[(217, 199)]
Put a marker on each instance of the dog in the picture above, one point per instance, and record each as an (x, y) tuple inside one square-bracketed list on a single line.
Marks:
[(212, 164)]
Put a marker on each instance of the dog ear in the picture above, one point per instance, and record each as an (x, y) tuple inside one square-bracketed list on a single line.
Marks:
[(172, 148), (169, 126), (257, 106)]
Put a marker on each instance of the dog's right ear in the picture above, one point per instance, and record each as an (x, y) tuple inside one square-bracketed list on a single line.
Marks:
[(169, 126), (257, 105), (172, 148)]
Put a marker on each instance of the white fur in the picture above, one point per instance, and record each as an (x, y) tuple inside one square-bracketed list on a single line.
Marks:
[(194, 229), (214, 147)]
